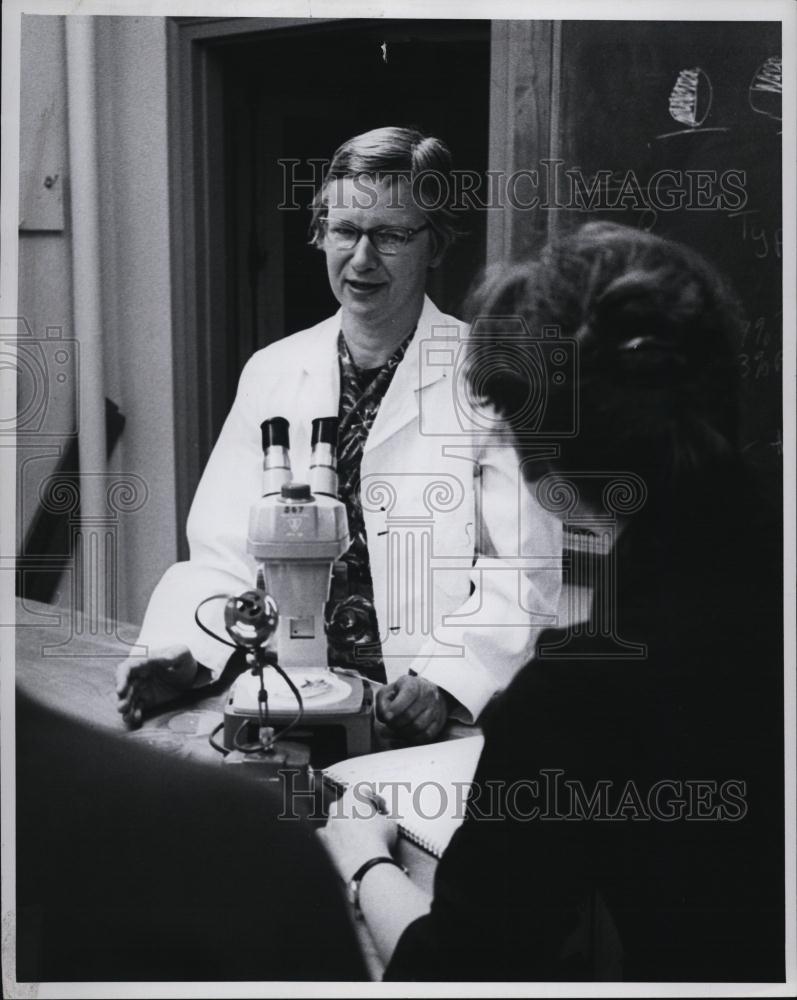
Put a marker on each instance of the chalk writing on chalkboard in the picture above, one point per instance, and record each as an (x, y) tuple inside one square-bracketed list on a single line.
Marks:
[(766, 89), (714, 188), (765, 242), (761, 356), (690, 102), (691, 97)]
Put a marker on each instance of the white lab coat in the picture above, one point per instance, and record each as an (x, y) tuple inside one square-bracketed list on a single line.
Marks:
[(450, 524)]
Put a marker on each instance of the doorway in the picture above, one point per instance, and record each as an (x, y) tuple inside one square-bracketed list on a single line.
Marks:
[(288, 102), (246, 96)]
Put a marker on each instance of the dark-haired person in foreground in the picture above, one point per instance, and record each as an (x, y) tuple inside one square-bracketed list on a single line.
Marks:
[(674, 872), (133, 864)]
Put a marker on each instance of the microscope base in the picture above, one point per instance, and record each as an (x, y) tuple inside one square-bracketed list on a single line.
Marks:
[(337, 721)]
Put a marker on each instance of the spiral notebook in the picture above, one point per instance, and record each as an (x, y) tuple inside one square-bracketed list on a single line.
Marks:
[(425, 789)]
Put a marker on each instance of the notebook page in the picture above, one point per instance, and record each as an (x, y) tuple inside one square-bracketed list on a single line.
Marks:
[(424, 788)]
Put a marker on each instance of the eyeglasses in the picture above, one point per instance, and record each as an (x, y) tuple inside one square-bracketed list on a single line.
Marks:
[(386, 240)]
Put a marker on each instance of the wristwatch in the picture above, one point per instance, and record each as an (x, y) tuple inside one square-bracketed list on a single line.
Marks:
[(353, 888)]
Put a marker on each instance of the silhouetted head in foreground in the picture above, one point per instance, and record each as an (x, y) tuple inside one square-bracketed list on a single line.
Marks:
[(651, 329)]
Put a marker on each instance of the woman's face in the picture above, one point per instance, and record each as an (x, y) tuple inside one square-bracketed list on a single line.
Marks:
[(382, 291)]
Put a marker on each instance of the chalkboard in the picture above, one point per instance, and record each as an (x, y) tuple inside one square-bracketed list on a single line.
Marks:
[(675, 127)]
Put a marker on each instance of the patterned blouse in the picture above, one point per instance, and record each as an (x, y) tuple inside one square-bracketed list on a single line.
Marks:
[(353, 632)]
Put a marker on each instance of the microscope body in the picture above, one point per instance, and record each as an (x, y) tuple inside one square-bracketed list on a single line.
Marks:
[(296, 537), (296, 534)]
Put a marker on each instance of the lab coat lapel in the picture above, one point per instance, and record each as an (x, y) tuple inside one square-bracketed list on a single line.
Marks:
[(314, 393), (401, 402), (320, 362)]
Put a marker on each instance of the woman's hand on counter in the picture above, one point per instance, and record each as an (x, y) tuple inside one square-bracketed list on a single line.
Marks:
[(144, 683), (413, 708)]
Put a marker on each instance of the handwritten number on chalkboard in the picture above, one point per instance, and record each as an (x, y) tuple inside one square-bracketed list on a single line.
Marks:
[(761, 365), (762, 336), (756, 328), (760, 239)]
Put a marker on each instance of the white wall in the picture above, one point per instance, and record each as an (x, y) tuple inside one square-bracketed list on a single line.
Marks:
[(137, 304), (45, 278), (134, 204)]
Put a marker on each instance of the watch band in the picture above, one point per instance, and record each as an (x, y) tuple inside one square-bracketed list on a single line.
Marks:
[(357, 877)]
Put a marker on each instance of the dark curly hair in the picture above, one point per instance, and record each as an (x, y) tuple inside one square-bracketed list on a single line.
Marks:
[(654, 328)]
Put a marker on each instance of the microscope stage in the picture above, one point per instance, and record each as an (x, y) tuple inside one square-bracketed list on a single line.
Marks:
[(322, 691)]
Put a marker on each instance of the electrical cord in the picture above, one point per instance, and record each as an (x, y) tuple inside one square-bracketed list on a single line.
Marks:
[(262, 701), (212, 739), (297, 695), (250, 748), (245, 748), (210, 632)]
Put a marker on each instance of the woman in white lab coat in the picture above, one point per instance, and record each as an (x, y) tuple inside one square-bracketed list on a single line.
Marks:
[(457, 572)]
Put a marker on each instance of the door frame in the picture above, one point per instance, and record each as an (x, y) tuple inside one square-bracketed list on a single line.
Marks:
[(197, 227), (523, 128)]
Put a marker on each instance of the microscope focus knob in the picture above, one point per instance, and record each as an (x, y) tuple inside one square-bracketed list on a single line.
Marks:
[(296, 492)]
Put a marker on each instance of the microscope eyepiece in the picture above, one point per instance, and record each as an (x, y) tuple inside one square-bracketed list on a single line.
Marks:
[(274, 433), (276, 454), (323, 460), (325, 430)]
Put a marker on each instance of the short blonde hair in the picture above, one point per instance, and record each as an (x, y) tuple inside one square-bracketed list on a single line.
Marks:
[(392, 153)]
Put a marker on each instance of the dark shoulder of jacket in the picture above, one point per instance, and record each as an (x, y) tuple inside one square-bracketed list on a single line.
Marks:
[(548, 687)]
